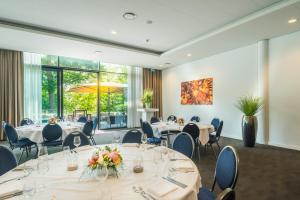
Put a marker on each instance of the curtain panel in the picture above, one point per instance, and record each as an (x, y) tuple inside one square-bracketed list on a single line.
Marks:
[(152, 79), (11, 87)]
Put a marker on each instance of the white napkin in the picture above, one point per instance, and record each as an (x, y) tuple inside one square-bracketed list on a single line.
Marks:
[(161, 188), (184, 166), (10, 189), (130, 145)]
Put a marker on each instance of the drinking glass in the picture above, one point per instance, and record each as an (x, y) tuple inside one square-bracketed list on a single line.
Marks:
[(116, 140), (144, 142), (29, 188), (77, 141), (156, 159), (42, 165), (66, 151)]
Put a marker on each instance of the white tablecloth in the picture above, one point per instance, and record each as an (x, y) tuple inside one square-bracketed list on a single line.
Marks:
[(205, 129), (62, 184), (34, 132)]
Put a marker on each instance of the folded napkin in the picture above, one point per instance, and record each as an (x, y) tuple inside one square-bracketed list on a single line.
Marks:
[(183, 166), (161, 188), (130, 145), (9, 189)]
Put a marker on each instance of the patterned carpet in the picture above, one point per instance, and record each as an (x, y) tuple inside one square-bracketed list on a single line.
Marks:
[(265, 172)]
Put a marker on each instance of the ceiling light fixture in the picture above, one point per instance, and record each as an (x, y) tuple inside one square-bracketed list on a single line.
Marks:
[(292, 20), (129, 16), (160, 65), (167, 63), (149, 21), (189, 55), (113, 32)]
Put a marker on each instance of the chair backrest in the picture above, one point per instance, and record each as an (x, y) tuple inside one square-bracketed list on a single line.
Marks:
[(141, 122), (147, 129), (172, 118), (11, 133), (133, 136), (52, 132), (219, 130), (195, 119), (82, 119), (8, 160), (95, 123), (215, 122), (69, 139), (227, 194), (88, 128), (192, 129), (154, 120), (26, 121), (184, 143), (226, 171)]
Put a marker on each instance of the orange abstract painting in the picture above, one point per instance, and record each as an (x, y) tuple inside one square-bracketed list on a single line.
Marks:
[(197, 92)]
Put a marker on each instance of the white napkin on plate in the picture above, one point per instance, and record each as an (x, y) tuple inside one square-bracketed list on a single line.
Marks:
[(10, 189), (130, 145), (161, 188), (183, 166)]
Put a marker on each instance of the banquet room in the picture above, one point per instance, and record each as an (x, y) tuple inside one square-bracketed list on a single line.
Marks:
[(149, 100)]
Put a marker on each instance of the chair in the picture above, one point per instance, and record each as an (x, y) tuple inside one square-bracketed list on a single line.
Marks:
[(215, 138), (226, 173), (52, 135), (69, 140), (88, 130), (215, 122), (82, 119), (195, 119), (26, 121), (8, 160), (184, 143), (147, 129), (194, 131), (133, 136), (141, 122), (172, 118), (227, 194), (15, 142), (154, 120)]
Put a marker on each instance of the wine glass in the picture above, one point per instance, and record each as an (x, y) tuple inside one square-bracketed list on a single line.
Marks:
[(77, 141), (164, 149), (116, 140), (42, 165), (156, 159), (66, 151), (144, 141)]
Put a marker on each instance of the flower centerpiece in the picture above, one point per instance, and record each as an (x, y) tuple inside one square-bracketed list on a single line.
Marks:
[(52, 120), (106, 157), (181, 121), (147, 97)]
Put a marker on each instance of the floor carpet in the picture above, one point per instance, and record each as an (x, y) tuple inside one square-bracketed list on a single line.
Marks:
[(265, 172)]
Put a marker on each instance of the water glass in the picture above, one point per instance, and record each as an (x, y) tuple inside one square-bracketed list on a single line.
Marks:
[(72, 162), (77, 141), (156, 159), (29, 188), (66, 151)]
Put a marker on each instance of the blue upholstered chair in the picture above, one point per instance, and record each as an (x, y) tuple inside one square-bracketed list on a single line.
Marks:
[(26, 121), (88, 130), (95, 124), (69, 140), (82, 119), (194, 131), (52, 135), (226, 173), (147, 129), (227, 194), (184, 143), (132, 136), (195, 119), (215, 122), (172, 118), (8, 160), (15, 142), (154, 120), (214, 139), (141, 122)]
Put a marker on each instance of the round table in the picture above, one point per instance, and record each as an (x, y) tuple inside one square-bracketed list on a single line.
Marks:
[(205, 129), (62, 184), (34, 132)]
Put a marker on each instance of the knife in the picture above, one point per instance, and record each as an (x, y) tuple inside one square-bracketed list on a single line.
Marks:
[(182, 185), (11, 195)]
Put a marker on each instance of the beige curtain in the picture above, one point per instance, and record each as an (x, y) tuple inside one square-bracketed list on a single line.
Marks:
[(152, 79), (11, 87)]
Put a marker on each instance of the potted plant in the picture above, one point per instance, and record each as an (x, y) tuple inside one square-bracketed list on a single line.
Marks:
[(147, 97), (249, 106)]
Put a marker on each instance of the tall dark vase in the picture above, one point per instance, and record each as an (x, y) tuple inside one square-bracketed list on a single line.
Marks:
[(249, 128)]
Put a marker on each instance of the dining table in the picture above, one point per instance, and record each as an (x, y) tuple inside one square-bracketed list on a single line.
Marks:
[(173, 177), (34, 131), (205, 129)]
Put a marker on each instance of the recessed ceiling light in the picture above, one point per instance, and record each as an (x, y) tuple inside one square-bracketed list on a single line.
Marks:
[(113, 32), (189, 55), (129, 16), (160, 65), (292, 20), (147, 40), (167, 63), (98, 52), (149, 21)]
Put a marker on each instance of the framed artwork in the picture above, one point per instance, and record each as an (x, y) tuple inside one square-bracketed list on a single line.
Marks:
[(198, 92)]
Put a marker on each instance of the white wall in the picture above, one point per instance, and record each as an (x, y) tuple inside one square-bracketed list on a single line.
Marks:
[(234, 74), (284, 91)]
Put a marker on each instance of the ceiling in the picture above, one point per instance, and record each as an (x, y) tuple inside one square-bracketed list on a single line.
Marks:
[(202, 28)]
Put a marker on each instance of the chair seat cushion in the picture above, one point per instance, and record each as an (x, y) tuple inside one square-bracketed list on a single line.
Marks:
[(206, 194), (52, 143), (24, 142), (154, 140)]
